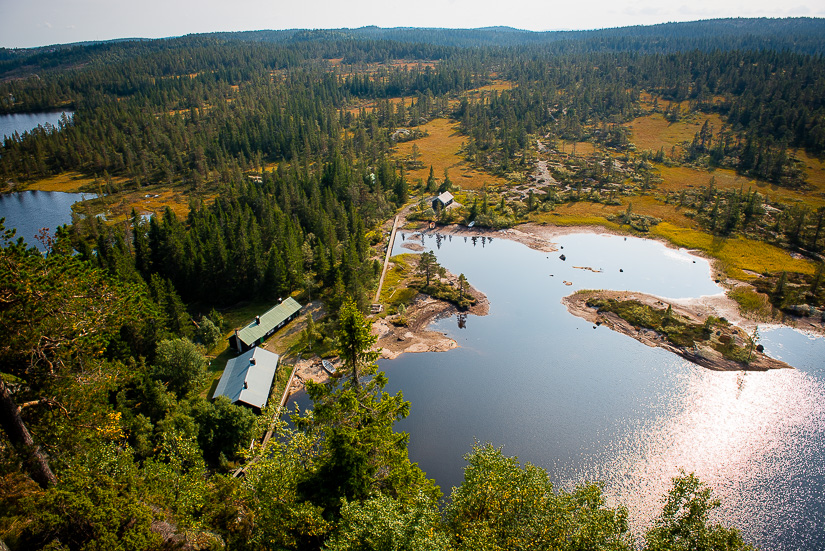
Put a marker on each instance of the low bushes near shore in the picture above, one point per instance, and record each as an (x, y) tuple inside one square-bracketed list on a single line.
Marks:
[(445, 291), (751, 303), (433, 283), (795, 293), (396, 294), (715, 332)]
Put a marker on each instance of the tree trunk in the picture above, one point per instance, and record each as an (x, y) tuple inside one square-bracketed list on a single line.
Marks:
[(34, 460)]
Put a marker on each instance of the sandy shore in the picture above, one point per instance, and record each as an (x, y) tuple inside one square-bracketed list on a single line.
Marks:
[(415, 337), (704, 356), (308, 370)]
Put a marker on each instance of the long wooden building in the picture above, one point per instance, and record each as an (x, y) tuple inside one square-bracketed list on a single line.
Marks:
[(265, 325)]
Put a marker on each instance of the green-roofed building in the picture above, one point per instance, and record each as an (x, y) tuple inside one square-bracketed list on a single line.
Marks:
[(265, 325)]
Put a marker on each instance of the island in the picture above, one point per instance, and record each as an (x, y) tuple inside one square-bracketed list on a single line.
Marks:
[(705, 340)]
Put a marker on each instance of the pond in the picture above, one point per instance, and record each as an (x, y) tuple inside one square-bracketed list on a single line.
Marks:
[(25, 122), (30, 211), (592, 404)]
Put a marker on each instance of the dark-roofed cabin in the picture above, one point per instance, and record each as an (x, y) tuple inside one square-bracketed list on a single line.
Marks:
[(443, 200), (265, 325), (247, 379)]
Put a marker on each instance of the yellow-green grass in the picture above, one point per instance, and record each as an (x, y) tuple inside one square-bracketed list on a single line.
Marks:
[(369, 105), (496, 85), (676, 178), (395, 290), (567, 219), (582, 149), (653, 132), (120, 206), (372, 67), (243, 314), (413, 64), (814, 169), (738, 255), (283, 341), (71, 182), (650, 206), (593, 212), (646, 102), (587, 209), (441, 150), (581, 213), (279, 383), (754, 304), (215, 369), (398, 270)]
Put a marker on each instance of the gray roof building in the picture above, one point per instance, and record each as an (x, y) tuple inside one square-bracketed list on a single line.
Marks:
[(445, 199), (265, 325), (247, 379)]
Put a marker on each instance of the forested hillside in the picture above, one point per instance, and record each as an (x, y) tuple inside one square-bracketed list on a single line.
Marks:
[(286, 152)]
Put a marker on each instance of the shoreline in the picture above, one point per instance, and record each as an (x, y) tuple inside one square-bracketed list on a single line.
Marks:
[(396, 340), (540, 237), (417, 338)]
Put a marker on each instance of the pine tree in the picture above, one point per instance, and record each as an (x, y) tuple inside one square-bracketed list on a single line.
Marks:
[(431, 183)]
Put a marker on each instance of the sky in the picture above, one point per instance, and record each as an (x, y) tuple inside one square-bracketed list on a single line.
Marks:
[(29, 23)]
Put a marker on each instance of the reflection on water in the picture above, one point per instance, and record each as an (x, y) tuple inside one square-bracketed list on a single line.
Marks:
[(755, 438), (591, 404)]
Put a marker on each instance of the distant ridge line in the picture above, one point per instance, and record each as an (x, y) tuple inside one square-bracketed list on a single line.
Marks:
[(797, 34)]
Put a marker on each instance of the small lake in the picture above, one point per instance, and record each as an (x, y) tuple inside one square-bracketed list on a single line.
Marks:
[(26, 122), (31, 211), (592, 404)]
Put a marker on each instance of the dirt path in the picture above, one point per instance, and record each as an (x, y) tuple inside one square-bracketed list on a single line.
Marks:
[(398, 218)]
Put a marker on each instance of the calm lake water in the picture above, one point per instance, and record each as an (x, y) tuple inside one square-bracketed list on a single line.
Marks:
[(592, 404), (30, 211), (25, 122)]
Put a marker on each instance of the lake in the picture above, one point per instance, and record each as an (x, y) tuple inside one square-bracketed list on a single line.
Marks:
[(25, 122), (592, 404), (30, 211)]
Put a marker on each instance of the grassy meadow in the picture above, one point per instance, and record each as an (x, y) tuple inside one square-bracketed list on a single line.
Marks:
[(441, 150)]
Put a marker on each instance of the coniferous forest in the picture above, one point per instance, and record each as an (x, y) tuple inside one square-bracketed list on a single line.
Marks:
[(285, 145)]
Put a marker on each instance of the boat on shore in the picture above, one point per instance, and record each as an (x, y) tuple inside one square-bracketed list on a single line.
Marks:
[(329, 368)]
